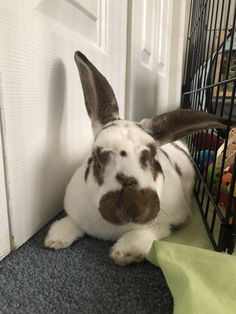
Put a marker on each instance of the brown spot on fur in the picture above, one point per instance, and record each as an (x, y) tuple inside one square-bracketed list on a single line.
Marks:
[(152, 148), (98, 173), (86, 173), (90, 160), (101, 159), (184, 152), (155, 165), (175, 166), (178, 170), (88, 168), (156, 168), (129, 205), (126, 181), (145, 158), (103, 156), (174, 228), (165, 153)]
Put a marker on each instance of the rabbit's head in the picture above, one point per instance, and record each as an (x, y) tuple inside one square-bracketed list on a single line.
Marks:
[(123, 161)]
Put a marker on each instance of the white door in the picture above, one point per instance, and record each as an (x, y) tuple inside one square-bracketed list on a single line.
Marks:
[(156, 56), (47, 130)]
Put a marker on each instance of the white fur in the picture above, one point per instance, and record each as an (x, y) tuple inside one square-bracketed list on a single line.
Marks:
[(63, 233), (82, 197)]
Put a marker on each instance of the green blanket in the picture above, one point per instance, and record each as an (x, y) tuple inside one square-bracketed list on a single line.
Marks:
[(201, 280)]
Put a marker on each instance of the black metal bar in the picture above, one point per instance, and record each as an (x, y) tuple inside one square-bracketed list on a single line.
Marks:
[(226, 139), (210, 196), (206, 224), (211, 93), (200, 81), (212, 85), (218, 41), (221, 64), (206, 88), (226, 239), (199, 16), (222, 106), (231, 192), (234, 171)]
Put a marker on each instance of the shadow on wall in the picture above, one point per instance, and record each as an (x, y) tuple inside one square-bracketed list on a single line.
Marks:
[(55, 170), (145, 100)]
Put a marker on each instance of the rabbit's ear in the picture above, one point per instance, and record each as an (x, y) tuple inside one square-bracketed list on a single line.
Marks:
[(174, 125), (99, 97)]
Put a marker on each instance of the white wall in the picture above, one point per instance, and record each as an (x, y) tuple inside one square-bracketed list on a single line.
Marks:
[(47, 130)]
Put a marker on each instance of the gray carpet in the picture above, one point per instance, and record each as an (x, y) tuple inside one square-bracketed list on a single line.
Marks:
[(79, 279)]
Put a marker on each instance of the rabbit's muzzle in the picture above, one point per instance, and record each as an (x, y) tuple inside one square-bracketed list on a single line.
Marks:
[(130, 204)]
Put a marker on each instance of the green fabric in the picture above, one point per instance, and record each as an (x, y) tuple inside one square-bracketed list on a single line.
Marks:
[(201, 280)]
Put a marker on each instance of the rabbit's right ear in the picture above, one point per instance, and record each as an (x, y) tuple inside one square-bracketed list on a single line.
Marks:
[(173, 125), (99, 97)]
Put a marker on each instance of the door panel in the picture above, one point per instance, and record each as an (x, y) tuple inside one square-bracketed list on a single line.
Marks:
[(157, 52), (47, 128), (80, 17), (143, 59)]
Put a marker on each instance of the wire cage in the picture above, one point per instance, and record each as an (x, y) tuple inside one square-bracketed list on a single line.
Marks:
[(209, 85)]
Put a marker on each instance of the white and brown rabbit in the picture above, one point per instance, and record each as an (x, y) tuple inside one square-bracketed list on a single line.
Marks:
[(136, 183)]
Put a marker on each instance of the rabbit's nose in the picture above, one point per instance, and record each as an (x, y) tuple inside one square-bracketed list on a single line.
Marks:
[(125, 180)]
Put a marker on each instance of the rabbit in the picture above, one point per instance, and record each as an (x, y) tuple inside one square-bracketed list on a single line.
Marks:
[(135, 184)]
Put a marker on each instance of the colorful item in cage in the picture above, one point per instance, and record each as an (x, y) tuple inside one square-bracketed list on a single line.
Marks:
[(204, 141), (225, 190), (226, 181), (223, 201), (202, 158), (230, 151), (213, 181)]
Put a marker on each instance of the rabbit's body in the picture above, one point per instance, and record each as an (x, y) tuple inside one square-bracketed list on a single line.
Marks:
[(136, 183), (174, 189)]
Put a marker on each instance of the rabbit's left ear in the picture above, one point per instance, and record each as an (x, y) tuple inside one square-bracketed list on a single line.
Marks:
[(99, 97), (174, 125)]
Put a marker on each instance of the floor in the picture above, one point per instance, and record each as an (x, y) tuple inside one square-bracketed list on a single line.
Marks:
[(79, 279)]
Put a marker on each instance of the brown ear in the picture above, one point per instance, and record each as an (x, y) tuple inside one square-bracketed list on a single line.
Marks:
[(172, 126), (99, 97)]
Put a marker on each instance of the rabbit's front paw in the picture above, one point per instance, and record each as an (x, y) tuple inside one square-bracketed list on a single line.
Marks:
[(123, 258), (134, 245), (130, 248), (62, 233)]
